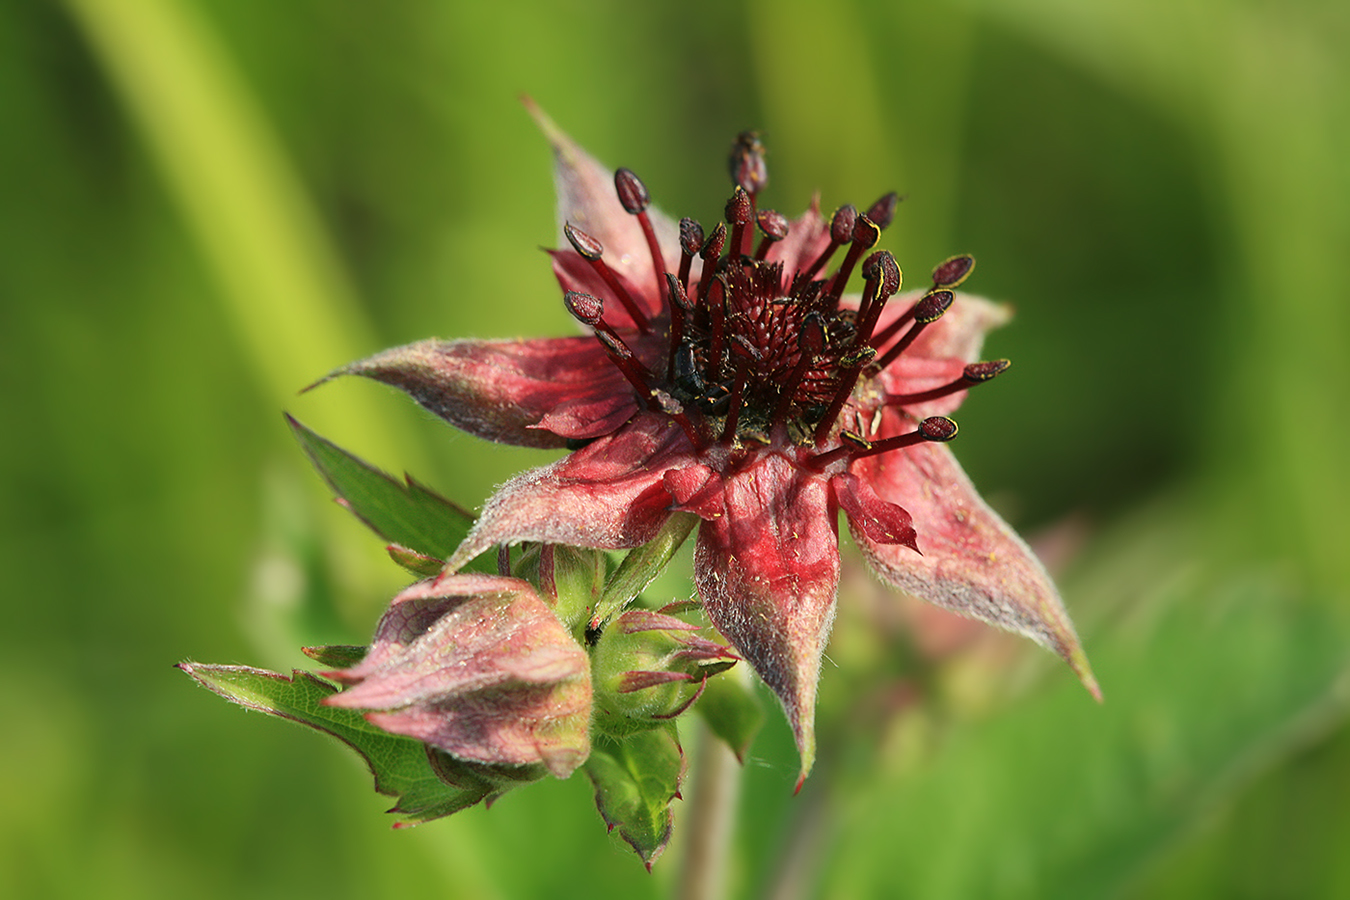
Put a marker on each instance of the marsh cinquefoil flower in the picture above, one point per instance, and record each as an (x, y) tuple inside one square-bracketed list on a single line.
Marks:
[(732, 377)]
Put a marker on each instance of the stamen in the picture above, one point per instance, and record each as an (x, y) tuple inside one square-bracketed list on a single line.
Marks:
[(865, 237), (810, 343), (717, 307), (746, 163), (635, 199), (883, 211), (852, 362), (739, 213), (936, 429), (883, 281), (841, 232), (775, 228), (691, 241), (975, 373), (743, 366), (951, 272), (933, 429), (927, 311), (590, 310), (593, 251), (679, 307), (710, 253)]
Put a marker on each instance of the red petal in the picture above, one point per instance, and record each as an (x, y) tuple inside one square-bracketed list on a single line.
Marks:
[(768, 572), (972, 562), (882, 522), (587, 199), (910, 375), (609, 494), (506, 391)]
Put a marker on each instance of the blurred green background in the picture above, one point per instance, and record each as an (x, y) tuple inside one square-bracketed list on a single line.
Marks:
[(206, 205)]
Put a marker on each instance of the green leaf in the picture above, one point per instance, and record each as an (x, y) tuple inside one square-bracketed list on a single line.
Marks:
[(635, 779), (402, 512), (733, 711), (401, 766)]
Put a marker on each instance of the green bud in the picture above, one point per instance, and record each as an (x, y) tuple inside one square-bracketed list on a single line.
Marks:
[(569, 579), (649, 667)]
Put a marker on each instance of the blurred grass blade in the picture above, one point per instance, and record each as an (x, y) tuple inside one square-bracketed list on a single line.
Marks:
[(286, 294)]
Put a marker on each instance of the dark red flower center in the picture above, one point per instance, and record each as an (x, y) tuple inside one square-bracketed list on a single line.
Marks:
[(751, 353)]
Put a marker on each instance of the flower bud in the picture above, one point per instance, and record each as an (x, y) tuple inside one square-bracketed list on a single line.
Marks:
[(570, 579), (477, 667), (649, 667)]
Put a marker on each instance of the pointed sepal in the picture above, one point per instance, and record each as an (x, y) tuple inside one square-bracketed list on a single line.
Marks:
[(636, 779)]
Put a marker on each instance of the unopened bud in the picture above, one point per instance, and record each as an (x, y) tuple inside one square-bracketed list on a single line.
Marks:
[(649, 667)]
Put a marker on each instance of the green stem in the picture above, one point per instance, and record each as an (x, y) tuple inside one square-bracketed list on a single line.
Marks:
[(708, 831)]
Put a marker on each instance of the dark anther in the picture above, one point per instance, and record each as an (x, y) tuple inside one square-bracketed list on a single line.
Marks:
[(973, 374), (774, 225), (937, 428), (841, 232), (932, 305), (952, 272), (709, 253), (691, 241), (983, 371), (634, 198), (927, 311), (632, 192), (746, 163), (883, 211), (679, 297), (586, 307), (842, 223), (593, 252), (583, 243), (865, 237), (740, 212), (883, 280)]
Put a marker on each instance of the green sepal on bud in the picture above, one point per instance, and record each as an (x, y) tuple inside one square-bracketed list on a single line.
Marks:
[(569, 579), (649, 667)]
